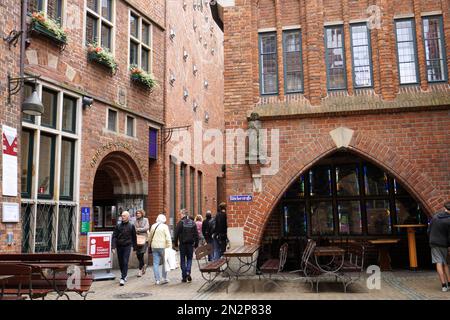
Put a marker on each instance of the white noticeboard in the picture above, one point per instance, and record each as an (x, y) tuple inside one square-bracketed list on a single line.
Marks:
[(9, 163), (99, 248), (11, 212)]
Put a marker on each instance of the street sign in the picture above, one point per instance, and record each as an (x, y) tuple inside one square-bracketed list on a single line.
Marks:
[(241, 198)]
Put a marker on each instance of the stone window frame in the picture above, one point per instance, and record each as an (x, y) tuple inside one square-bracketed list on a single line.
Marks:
[(31, 201), (100, 21), (139, 41), (108, 109), (133, 119)]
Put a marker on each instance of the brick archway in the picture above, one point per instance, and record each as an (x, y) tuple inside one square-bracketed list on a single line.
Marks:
[(418, 184)]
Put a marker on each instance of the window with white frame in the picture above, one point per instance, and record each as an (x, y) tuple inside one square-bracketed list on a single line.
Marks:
[(406, 51), (292, 51), (140, 42), (111, 120), (130, 126), (52, 8), (100, 23), (49, 178)]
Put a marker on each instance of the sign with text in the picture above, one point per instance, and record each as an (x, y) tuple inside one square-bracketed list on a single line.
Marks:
[(85, 220), (9, 148), (241, 198), (99, 248)]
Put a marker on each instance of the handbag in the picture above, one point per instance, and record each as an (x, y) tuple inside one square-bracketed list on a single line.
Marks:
[(151, 239), (140, 240)]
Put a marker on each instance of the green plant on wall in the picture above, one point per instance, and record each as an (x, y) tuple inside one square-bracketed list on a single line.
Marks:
[(102, 55), (143, 77), (48, 26)]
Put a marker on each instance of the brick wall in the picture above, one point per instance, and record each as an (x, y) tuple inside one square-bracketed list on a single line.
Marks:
[(9, 113), (410, 143), (197, 34)]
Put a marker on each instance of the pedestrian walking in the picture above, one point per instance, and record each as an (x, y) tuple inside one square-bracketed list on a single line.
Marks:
[(199, 223), (142, 226), (206, 230), (220, 229), (159, 241), (186, 238), (439, 235), (123, 240)]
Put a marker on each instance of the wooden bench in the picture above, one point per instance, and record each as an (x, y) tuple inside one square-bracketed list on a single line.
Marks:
[(208, 269), (41, 282), (274, 266)]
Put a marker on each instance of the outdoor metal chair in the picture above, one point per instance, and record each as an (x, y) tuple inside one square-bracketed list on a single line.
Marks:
[(274, 266)]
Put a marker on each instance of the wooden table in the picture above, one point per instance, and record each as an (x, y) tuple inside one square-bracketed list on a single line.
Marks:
[(384, 259), (247, 260), (411, 229), (335, 253)]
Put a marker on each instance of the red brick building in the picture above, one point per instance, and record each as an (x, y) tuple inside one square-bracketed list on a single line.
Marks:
[(96, 144), (194, 104), (359, 92)]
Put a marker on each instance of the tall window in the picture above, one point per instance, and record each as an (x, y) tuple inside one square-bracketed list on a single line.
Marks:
[(100, 23), (130, 126), (335, 58), (173, 194), (406, 51), (192, 190), (293, 73), (140, 42), (112, 120), (183, 180), (433, 37), (200, 193), (52, 8), (49, 202), (361, 56), (268, 63)]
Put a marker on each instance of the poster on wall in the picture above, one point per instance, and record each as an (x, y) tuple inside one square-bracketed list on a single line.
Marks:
[(9, 149)]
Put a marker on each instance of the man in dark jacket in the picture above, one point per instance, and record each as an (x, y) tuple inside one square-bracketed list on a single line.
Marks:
[(220, 232), (206, 230), (439, 234), (186, 238), (123, 239)]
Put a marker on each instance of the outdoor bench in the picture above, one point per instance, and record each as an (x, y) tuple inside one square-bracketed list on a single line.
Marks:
[(208, 269)]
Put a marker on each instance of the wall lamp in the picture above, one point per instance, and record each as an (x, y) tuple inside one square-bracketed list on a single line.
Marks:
[(32, 105), (87, 102)]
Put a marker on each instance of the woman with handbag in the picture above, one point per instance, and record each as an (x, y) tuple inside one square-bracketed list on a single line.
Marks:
[(142, 227), (159, 241)]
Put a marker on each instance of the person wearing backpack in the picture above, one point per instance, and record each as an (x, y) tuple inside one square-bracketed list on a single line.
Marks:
[(186, 238), (219, 233)]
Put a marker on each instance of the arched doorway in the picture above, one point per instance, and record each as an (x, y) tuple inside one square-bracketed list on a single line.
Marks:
[(344, 196), (118, 186)]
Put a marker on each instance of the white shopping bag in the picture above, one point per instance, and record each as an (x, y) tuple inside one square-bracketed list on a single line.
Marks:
[(171, 262)]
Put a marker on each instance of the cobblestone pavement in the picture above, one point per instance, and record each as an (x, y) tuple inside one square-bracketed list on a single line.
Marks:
[(397, 285)]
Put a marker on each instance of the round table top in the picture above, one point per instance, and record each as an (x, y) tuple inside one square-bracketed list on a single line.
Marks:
[(409, 225)]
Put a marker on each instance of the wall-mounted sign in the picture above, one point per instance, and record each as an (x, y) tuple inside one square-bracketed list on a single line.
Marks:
[(85, 220), (11, 212), (9, 148), (241, 198)]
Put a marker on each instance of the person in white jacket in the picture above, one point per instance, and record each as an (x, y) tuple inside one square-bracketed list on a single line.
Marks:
[(159, 240)]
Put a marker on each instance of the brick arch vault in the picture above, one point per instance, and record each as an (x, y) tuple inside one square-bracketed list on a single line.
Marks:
[(412, 178)]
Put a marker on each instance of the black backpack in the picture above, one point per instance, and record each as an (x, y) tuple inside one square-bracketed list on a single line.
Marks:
[(187, 233)]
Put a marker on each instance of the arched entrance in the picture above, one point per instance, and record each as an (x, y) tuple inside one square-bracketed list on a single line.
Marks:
[(118, 186), (344, 196)]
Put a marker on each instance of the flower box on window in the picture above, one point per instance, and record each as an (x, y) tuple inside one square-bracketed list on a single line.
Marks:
[(102, 56), (142, 77), (48, 28)]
